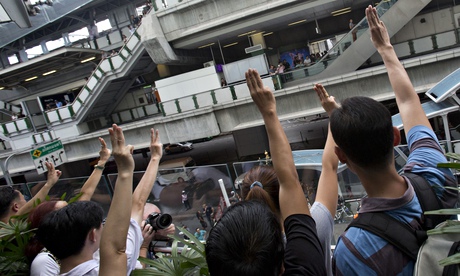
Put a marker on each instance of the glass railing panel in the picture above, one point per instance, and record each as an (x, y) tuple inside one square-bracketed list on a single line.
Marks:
[(92, 82), (102, 42), (169, 107), (105, 66), (199, 183), (151, 109), (205, 99), (64, 112), (52, 116), (71, 187), (132, 42), (76, 105), (446, 39), (117, 61), (223, 95), (125, 115), (114, 37), (423, 44)]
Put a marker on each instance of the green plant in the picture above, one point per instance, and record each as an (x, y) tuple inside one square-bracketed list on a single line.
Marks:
[(14, 236), (190, 260)]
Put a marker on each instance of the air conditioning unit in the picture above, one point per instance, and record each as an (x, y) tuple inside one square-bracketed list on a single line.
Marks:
[(208, 64), (254, 48)]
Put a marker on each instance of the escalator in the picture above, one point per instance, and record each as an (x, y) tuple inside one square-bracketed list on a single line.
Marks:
[(349, 53)]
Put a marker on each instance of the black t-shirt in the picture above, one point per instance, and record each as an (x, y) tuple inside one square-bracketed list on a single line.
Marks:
[(304, 254)]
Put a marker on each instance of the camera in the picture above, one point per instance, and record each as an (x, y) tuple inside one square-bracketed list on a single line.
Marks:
[(159, 221)]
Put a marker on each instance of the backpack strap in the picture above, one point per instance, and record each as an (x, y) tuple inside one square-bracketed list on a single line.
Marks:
[(427, 199), (397, 233), (452, 270)]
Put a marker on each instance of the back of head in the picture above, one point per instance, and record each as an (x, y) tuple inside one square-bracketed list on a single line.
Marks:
[(247, 240), (268, 193), (64, 232), (363, 130), (35, 217), (7, 196)]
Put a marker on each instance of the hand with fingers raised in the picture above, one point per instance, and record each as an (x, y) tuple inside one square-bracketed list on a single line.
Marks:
[(121, 153), (53, 174), (327, 102), (156, 147), (379, 33), (261, 95)]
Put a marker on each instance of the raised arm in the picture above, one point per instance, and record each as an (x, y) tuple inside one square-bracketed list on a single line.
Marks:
[(90, 185), (113, 241), (328, 184), (407, 99), (53, 177), (145, 186), (291, 197)]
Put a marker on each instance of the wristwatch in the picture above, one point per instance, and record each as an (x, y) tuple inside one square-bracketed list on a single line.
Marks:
[(99, 167)]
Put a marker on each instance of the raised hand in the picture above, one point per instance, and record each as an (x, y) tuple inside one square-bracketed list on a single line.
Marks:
[(156, 147), (104, 153), (53, 174), (261, 95), (121, 153), (379, 33), (327, 102)]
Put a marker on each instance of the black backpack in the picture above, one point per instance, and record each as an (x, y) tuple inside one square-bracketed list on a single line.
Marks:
[(400, 234)]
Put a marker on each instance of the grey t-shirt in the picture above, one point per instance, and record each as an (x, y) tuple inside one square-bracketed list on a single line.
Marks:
[(324, 228)]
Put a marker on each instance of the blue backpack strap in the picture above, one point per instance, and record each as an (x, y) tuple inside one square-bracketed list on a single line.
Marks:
[(397, 233), (427, 199)]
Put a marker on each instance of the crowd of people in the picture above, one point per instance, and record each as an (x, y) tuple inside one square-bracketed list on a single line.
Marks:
[(271, 229)]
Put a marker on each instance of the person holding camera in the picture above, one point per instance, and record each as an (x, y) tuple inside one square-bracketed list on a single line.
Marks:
[(155, 226)]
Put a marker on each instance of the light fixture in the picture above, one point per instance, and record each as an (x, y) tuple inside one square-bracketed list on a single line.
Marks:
[(207, 45), (297, 22), (341, 11), (231, 44), (32, 78), (49, 73), (248, 33), (88, 59), (317, 29), (267, 33), (1, 88)]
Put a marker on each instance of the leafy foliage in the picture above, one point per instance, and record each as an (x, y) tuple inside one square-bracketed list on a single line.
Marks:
[(14, 236), (188, 260)]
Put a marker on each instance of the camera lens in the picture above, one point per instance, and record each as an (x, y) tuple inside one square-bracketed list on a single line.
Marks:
[(160, 221)]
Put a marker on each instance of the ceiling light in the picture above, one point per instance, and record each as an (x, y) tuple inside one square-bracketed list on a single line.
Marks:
[(207, 45), (1, 88), (32, 78), (341, 11), (297, 22), (248, 33), (49, 73), (231, 44), (88, 59), (267, 33)]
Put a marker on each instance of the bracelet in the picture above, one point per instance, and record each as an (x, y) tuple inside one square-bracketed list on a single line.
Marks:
[(99, 167)]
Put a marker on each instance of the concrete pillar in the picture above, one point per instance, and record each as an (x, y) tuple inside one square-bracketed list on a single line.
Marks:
[(44, 47), (22, 56), (66, 38), (4, 60)]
